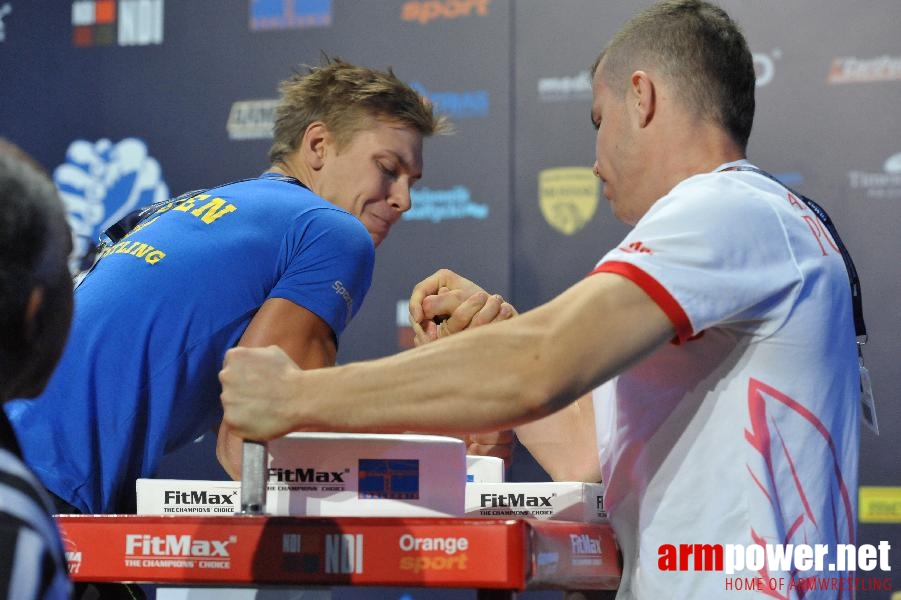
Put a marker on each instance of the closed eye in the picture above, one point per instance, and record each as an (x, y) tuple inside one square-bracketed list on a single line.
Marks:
[(388, 171)]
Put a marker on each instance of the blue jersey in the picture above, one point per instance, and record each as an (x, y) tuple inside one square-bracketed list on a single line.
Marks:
[(153, 320)]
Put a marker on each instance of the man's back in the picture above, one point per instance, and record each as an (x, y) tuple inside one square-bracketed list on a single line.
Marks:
[(155, 317)]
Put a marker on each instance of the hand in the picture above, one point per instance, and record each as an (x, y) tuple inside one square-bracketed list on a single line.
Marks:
[(456, 303), (256, 389), (495, 443)]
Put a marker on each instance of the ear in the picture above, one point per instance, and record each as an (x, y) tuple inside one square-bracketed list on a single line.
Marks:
[(643, 97), (315, 144), (32, 308)]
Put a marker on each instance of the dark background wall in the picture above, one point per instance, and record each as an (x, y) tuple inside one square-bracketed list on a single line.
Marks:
[(125, 101)]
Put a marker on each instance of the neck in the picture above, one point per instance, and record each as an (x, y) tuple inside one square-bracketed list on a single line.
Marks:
[(292, 168), (702, 148)]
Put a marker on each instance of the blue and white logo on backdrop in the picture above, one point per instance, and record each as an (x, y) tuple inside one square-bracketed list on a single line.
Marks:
[(5, 9), (459, 105), (443, 205), (291, 14), (100, 183)]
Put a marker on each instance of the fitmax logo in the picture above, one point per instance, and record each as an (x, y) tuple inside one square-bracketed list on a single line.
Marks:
[(198, 497), (513, 500), (585, 544), (301, 475), (137, 544)]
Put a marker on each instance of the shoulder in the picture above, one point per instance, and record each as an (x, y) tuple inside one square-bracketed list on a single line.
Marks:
[(331, 225), (722, 198)]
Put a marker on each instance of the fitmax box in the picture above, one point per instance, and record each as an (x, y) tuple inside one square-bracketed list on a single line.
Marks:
[(484, 469), (327, 474), (560, 501)]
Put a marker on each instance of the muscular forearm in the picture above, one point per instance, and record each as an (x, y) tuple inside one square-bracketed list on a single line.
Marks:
[(492, 377), (424, 389)]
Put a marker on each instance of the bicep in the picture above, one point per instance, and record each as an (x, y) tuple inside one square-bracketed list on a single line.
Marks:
[(303, 335)]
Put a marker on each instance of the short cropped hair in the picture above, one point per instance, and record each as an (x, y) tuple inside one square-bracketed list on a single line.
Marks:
[(35, 242), (345, 97), (700, 50)]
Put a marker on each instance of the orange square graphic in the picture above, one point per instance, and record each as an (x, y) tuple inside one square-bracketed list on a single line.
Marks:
[(105, 11), (82, 36)]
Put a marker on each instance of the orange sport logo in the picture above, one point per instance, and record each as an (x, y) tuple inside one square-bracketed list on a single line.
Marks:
[(425, 11)]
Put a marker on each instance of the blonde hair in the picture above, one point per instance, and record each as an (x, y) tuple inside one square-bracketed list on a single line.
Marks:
[(346, 97)]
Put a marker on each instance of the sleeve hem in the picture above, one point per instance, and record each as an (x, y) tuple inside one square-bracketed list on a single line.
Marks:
[(659, 294)]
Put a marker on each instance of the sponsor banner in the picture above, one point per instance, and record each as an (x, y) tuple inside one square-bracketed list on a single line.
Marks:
[(575, 556), (566, 88), (880, 504), (568, 197), (444, 205), (333, 474), (851, 69), (568, 501), (467, 104), (117, 22), (885, 185), (443, 552), (251, 119), (290, 14), (427, 11)]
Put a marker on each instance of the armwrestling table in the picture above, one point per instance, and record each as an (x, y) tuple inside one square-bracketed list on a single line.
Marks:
[(496, 557)]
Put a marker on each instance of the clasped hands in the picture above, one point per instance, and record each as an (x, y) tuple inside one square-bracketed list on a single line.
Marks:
[(445, 303)]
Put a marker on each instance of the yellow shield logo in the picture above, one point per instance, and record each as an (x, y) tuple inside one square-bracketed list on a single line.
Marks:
[(568, 197)]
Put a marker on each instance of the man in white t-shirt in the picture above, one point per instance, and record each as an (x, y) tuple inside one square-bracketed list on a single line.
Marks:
[(717, 338)]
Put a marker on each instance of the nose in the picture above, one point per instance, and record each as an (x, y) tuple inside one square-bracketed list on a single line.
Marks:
[(400, 197), (594, 170)]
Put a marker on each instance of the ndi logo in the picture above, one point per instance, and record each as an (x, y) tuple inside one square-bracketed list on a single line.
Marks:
[(122, 22), (100, 183)]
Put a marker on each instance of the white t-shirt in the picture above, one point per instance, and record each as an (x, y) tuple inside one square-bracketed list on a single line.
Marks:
[(745, 429)]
